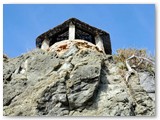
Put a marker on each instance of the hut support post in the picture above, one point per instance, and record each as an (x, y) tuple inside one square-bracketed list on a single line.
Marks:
[(71, 31), (45, 45), (99, 42)]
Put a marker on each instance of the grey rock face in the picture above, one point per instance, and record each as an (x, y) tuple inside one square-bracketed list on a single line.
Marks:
[(144, 104), (147, 81), (80, 82), (40, 83)]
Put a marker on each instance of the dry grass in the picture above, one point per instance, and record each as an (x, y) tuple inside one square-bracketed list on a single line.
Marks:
[(137, 64)]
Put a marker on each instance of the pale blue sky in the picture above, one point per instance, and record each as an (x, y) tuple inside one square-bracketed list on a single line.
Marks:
[(129, 26)]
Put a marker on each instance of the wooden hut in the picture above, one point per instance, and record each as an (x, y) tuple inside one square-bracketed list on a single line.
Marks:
[(73, 29)]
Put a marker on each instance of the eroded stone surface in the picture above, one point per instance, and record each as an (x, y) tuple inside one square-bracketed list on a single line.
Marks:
[(42, 83), (77, 81)]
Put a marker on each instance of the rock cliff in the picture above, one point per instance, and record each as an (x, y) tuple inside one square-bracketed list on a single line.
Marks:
[(74, 79)]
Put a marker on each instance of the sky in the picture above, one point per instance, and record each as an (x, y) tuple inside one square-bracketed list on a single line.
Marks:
[(129, 25)]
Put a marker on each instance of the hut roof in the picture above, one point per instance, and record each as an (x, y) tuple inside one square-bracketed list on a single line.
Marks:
[(79, 24)]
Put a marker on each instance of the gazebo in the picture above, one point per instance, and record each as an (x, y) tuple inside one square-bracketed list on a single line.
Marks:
[(73, 29)]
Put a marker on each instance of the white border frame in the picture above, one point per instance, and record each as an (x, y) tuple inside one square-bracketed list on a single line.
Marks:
[(157, 6)]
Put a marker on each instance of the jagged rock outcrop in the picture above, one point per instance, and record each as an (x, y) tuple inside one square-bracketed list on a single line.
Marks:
[(73, 80)]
